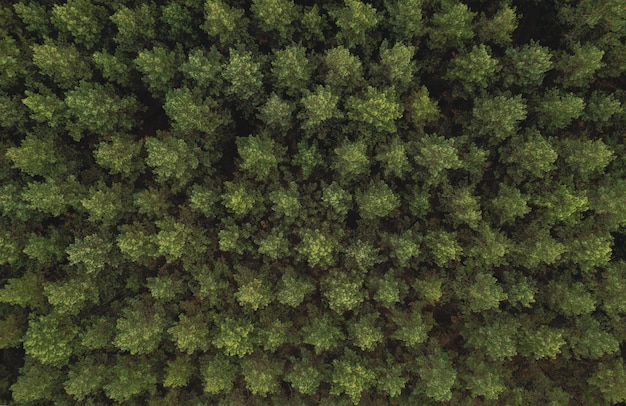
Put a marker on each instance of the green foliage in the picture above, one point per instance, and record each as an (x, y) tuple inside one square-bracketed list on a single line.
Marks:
[(85, 378), (280, 202), (294, 288), (63, 64), (541, 342), (343, 290), (258, 154), (609, 379), (178, 372), (343, 70), (378, 109), (190, 112), (45, 107), (412, 328), (319, 107), (437, 154), (91, 252), (261, 375), (394, 158), (422, 109), (397, 66), (223, 21), (351, 159), (351, 376), (82, 19), (323, 334), (556, 109), (275, 15), (354, 20), (484, 380), (307, 158), (496, 338), (444, 247), (317, 248), (498, 116), (158, 67), (219, 373), (243, 76), (276, 112), (49, 339), (451, 26), (499, 29), (70, 296), (234, 336), (578, 69), (129, 377), (528, 65), (475, 69), (140, 328), (304, 378), (337, 198), (136, 28), (484, 293), (378, 200), (365, 332), (437, 375), (99, 109), (292, 70), (406, 19), (190, 334)]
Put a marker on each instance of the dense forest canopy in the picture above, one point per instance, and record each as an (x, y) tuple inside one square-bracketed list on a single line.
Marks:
[(280, 202)]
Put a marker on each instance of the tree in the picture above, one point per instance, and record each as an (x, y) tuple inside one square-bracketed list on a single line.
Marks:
[(136, 28), (49, 339), (343, 290), (243, 76), (499, 28), (397, 66), (557, 109), (527, 65), (275, 16), (343, 69), (437, 375), (377, 108), (191, 112), (224, 22), (82, 19), (219, 373), (99, 109), (260, 155), (354, 20), (317, 248), (158, 66), (191, 333), (129, 377), (63, 64), (378, 200), (277, 113), (579, 68), (474, 70), (261, 374), (406, 19), (451, 26), (319, 107), (498, 117), (140, 328), (608, 378), (437, 154), (234, 336), (351, 376)]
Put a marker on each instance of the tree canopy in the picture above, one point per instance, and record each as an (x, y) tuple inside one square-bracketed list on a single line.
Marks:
[(290, 202)]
